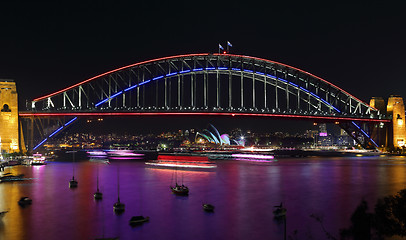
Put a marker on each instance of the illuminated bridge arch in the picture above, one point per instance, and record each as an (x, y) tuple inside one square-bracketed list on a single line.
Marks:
[(207, 83)]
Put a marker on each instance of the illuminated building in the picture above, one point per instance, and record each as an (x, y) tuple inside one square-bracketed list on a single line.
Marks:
[(9, 139), (323, 130), (214, 136), (396, 109)]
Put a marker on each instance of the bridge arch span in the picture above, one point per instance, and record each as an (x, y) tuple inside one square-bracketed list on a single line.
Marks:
[(207, 83)]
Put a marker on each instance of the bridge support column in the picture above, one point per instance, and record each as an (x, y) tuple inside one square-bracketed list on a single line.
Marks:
[(27, 128), (379, 131), (9, 139), (396, 109)]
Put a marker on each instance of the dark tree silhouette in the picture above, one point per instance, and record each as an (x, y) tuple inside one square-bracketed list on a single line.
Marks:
[(360, 224), (390, 215)]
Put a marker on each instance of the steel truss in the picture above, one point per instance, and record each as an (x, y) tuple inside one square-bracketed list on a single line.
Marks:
[(207, 82)]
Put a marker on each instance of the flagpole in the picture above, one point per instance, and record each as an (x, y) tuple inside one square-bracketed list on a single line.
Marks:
[(228, 46), (220, 48)]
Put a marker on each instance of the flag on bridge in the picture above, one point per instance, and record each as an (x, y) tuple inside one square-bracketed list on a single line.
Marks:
[(228, 46), (220, 48)]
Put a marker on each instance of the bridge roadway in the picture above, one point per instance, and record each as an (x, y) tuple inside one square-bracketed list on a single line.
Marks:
[(27, 114)]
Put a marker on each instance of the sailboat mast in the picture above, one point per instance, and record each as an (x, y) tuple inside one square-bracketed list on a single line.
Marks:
[(73, 165), (118, 185), (176, 175), (97, 178)]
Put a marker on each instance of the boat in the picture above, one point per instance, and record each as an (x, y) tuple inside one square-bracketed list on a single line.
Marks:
[(38, 159), (73, 183), (24, 201), (99, 160), (182, 161), (138, 220), (2, 214), (118, 207), (253, 157), (280, 211), (180, 189), (8, 177), (11, 163), (123, 153), (98, 195), (208, 207)]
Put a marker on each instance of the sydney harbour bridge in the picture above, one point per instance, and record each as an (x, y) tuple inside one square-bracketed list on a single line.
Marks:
[(205, 84)]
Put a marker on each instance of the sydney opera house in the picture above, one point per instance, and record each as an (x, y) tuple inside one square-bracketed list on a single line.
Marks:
[(212, 135)]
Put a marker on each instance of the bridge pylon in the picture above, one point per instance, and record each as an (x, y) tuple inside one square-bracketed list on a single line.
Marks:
[(390, 135), (397, 133), (9, 134), (379, 131)]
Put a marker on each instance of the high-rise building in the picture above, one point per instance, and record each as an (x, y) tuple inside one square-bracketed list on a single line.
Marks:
[(322, 130)]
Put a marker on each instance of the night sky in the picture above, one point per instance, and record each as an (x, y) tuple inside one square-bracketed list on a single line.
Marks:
[(49, 45)]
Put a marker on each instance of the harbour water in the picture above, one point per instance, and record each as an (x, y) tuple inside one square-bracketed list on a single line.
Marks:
[(242, 192)]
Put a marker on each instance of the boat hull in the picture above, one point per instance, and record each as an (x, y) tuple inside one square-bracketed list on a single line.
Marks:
[(98, 195), (73, 184), (180, 190), (208, 207), (119, 207), (138, 220), (25, 201), (280, 212)]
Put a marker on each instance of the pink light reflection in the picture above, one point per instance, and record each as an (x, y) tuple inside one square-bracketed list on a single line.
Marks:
[(252, 156)]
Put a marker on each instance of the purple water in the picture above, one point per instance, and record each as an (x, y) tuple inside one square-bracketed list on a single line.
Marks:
[(243, 194)]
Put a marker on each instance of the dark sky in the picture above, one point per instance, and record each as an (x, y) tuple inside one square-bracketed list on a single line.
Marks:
[(49, 45)]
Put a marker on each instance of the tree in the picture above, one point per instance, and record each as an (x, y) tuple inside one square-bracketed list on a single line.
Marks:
[(360, 224), (390, 215)]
